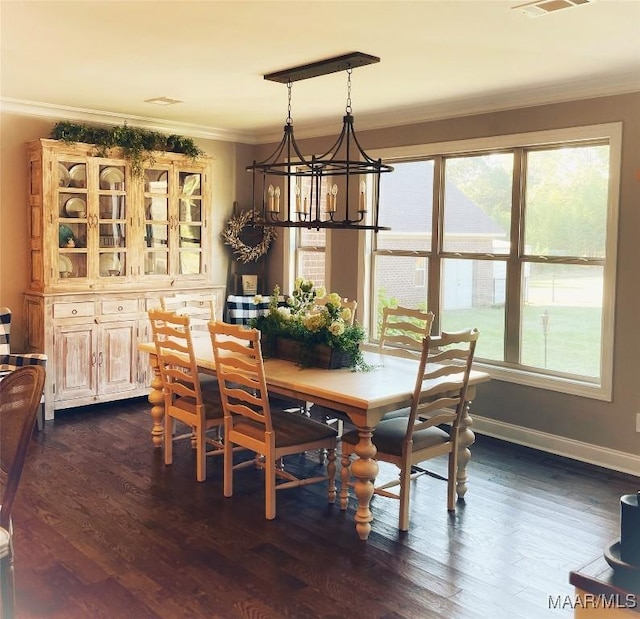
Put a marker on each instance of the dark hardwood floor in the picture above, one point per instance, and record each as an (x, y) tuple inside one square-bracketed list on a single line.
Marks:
[(104, 529)]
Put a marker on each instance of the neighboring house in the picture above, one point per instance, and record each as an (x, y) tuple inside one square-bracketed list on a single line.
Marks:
[(406, 207)]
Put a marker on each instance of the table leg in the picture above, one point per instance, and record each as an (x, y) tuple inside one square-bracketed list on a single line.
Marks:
[(156, 399), (465, 440), (365, 470)]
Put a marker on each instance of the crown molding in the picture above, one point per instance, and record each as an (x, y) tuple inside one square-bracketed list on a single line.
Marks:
[(501, 101), (62, 112)]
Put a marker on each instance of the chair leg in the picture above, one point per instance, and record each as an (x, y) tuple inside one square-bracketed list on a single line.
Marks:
[(345, 475), (7, 587), (168, 439), (40, 417), (201, 461), (331, 472), (451, 481), (270, 487), (405, 490), (228, 468)]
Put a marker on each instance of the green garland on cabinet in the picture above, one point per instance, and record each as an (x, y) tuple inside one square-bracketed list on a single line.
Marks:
[(137, 144)]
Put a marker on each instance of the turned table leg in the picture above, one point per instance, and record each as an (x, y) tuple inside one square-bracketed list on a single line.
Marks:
[(465, 440), (156, 399), (365, 470)]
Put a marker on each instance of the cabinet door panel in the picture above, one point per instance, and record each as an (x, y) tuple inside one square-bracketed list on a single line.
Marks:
[(76, 358), (118, 356)]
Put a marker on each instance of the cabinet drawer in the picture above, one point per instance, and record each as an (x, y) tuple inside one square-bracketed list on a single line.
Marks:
[(153, 304), (73, 310), (122, 306)]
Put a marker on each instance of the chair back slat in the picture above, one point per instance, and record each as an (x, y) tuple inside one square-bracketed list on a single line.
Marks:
[(441, 387), (176, 356), (403, 329), (238, 358)]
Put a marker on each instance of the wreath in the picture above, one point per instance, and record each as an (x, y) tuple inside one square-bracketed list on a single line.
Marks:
[(247, 253)]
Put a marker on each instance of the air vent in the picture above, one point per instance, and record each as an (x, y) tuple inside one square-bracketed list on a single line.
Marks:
[(163, 101), (544, 7)]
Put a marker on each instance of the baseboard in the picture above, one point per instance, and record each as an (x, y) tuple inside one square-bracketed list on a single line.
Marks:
[(558, 445)]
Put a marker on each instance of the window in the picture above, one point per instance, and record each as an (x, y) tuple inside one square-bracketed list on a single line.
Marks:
[(515, 236), (310, 245)]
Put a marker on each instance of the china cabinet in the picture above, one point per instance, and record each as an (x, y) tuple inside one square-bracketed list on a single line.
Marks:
[(105, 246)]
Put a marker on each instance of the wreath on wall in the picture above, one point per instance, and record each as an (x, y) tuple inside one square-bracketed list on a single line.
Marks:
[(244, 252)]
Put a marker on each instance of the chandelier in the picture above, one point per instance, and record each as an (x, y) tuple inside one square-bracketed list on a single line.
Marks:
[(335, 190)]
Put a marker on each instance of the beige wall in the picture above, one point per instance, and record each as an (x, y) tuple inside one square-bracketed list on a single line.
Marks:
[(610, 425), (227, 187)]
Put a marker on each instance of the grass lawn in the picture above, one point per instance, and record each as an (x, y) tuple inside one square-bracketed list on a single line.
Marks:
[(572, 343)]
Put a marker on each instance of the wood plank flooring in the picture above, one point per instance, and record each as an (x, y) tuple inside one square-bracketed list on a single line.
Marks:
[(104, 529)]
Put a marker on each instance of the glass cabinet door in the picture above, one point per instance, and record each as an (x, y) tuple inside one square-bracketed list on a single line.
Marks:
[(190, 223), (156, 221), (111, 221), (73, 220)]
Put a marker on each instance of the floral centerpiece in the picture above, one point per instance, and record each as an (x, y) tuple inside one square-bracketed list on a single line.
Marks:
[(310, 333)]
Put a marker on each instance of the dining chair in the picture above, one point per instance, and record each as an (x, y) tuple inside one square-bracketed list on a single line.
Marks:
[(189, 398), (20, 394), (251, 422), (10, 362), (199, 308), (401, 332), (403, 329), (438, 400)]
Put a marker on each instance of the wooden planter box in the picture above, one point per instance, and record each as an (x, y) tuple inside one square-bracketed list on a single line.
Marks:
[(322, 356)]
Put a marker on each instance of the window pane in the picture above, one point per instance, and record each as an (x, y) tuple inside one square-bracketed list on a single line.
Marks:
[(311, 266), (477, 203), (561, 318), (406, 198), (566, 201), (473, 295), (399, 280), (312, 238)]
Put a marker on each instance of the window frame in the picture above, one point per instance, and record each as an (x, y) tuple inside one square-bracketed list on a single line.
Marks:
[(516, 258)]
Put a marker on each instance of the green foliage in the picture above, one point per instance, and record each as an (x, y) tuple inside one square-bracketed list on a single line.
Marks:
[(137, 145), (303, 321)]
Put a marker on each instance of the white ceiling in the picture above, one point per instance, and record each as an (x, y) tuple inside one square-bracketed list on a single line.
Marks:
[(99, 60)]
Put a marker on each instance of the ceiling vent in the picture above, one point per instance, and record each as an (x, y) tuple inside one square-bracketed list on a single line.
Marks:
[(163, 101), (544, 7)]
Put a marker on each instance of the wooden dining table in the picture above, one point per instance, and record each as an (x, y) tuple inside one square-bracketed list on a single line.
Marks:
[(365, 396)]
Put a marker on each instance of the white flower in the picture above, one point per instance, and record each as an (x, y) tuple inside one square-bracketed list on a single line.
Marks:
[(285, 312), (313, 322), (336, 328), (298, 283), (258, 299), (334, 299), (345, 314), (321, 291)]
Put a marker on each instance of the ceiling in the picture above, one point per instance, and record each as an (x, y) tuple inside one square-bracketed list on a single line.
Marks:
[(100, 60)]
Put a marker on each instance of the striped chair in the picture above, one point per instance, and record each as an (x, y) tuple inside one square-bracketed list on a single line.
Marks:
[(10, 362)]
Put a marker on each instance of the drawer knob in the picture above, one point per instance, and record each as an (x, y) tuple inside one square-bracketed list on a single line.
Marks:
[(74, 311), (120, 308)]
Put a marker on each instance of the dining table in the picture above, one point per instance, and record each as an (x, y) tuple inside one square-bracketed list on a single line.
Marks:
[(365, 396)]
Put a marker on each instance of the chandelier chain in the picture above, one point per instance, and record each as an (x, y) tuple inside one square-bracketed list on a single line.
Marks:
[(348, 108), (289, 119)]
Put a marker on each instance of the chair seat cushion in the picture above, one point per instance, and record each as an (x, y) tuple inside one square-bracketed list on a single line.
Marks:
[(403, 412), (290, 429), (389, 435), (210, 397)]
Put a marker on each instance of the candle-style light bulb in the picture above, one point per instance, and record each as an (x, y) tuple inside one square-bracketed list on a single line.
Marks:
[(331, 199), (298, 204), (277, 196), (362, 202), (270, 200)]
